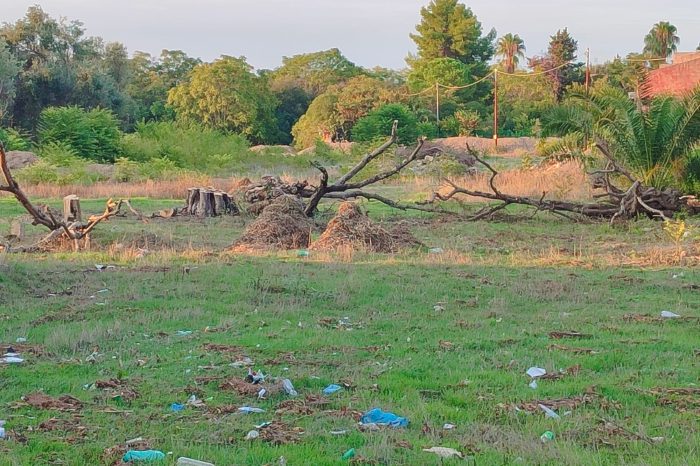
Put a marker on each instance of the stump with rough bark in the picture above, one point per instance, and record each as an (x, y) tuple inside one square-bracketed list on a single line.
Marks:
[(209, 202)]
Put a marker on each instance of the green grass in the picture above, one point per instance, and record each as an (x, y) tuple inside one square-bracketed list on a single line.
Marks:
[(500, 303)]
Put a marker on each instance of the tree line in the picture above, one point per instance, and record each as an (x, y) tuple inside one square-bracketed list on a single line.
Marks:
[(53, 77)]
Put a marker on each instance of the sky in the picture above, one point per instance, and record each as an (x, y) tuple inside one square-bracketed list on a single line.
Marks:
[(368, 32)]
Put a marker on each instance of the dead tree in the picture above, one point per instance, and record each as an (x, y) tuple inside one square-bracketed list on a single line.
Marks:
[(72, 229), (345, 188), (616, 203)]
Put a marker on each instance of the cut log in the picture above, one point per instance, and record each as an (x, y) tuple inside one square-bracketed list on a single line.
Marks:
[(208, 202), (223, 205), (192, 200), (71, 209)]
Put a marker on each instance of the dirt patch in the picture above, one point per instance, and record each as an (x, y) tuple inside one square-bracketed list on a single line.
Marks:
[(16, 160), (559, 403), (682, 399), (281, 225), (118, 387), (572, 350), (235, 351), (352, 229), (114, 454), (279, 433), (570, 371), (70, 426), (560, 335), (24, 348), (62, 403), (244, 388)]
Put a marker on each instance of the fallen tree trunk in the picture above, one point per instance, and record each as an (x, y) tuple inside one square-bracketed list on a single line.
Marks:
[(618, 204)]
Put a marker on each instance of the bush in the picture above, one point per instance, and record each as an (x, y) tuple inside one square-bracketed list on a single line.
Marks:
[(92, 134), (691, 175), (59, 164), (378, 124), (14, 140)]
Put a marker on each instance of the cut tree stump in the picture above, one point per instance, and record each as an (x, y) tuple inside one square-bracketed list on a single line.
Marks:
[(71, 209), (208, 202)]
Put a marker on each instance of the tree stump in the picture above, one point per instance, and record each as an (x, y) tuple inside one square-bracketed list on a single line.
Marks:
[(71, 209), (17, 229), (207, 202)]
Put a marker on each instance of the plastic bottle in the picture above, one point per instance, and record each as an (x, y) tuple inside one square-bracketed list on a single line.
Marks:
[(2, 430), (349, 454), (548, 436)]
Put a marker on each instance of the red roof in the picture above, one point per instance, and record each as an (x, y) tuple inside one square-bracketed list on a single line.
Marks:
[(677, 79)]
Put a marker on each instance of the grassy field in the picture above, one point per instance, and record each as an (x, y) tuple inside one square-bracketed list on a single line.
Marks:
[(437, 338)]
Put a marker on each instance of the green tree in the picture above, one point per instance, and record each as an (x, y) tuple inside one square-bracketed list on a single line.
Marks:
[(559, 62), (511, 49), (320, 122), (523, 99), (448, 29), (92, 134), (9, 71), (228, 96), (379, 122), (662, 40), (313, 72)]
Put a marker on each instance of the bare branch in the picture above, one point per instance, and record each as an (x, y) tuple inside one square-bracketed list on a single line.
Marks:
[(370, 156)]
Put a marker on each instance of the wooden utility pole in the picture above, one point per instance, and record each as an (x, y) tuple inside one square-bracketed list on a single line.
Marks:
[(437, 106), (495, 109)]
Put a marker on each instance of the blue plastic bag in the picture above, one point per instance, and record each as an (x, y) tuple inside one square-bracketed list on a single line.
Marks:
[(381, 418), (143, 456), (331, 389)]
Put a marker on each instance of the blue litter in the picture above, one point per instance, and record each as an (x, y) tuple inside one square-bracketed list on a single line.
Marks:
[(143, 456), (381, 418), (177, 407), (331, 389)]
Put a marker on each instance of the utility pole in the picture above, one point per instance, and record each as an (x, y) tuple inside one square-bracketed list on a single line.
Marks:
[(437, 106), (588, 70), (495, 109)]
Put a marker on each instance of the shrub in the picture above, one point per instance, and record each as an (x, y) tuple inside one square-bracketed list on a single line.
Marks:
[(691, 175), (92, 134), (14, 140), (378, 124)]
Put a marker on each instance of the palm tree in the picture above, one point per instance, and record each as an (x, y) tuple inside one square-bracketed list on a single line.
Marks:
[(511, 48), (662, 40), (654, 143)]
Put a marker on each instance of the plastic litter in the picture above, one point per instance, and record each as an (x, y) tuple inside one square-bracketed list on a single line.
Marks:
[(381, 418), (533, 384), (448, 426), (331, 389), (194, 401), (252, 435), (143, 456), (303, 253), (535, 372), (11, 360), (669, 315), (175, 407), (182, 461), (548, 412), (349, 454), (436, 250), (250, 410), (21, 340), (184, 333), (289, 388), (2, 429), (444, 452), (262, 393), (547, 436), (338, 432), (255, 377), (263, 425)]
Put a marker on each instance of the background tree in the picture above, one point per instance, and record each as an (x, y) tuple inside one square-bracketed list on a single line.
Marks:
[(9, 70), (378, 124), (559, 62), (662, 40), (448, 29), (511, 49), (228, 96)]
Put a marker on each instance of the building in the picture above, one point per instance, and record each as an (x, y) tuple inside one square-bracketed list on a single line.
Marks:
[(678, 78)]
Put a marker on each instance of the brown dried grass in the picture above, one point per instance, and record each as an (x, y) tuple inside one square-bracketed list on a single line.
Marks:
[(281, 225), (350, 228)]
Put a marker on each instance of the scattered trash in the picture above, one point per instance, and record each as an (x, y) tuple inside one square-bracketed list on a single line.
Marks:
[(438, 308), (331, 389), (289, 388), (261, 394), (182, 461), (548, 436), (102, 267), (303, 253), (10, 359), (195, 402), (2, 429), (255, 377), (436, 250), (533, 384), (250, 410), (184, 333), (535, 372), (448, 426), (381, 418), (245, 362), (143, 456), (349, 454), (175, 407), (21, 340), (338, 432), (252, 435), (263, 425), (548, 412), (444, 452), (669, 315)]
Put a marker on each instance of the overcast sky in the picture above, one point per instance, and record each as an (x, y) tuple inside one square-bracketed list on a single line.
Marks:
[(368, 32)]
